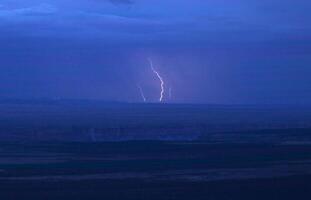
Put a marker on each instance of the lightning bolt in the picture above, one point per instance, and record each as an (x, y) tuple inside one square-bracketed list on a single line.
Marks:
[(160, 79), (141, 93)]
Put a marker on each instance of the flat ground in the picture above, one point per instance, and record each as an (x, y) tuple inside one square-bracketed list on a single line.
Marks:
[(155, 170)]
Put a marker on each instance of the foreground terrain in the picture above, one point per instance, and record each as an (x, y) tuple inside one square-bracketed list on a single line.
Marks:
[(93, 150), (155, 170)]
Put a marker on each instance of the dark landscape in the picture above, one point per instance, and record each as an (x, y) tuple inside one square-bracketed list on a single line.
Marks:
[(73, 150)]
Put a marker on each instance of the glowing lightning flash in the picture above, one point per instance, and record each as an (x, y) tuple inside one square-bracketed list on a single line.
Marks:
[(160, 78), (141, 93)]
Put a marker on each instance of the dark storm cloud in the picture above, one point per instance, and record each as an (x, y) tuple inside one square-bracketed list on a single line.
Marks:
[(210, 51), (191, 19)]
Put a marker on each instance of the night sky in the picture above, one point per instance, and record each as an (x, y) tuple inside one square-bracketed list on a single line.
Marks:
[(206, 51)]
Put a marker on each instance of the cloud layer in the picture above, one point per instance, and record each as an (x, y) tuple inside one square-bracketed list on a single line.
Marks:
[(194, 20)]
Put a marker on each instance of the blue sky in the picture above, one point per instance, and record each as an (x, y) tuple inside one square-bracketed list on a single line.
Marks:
[(243, 51)]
